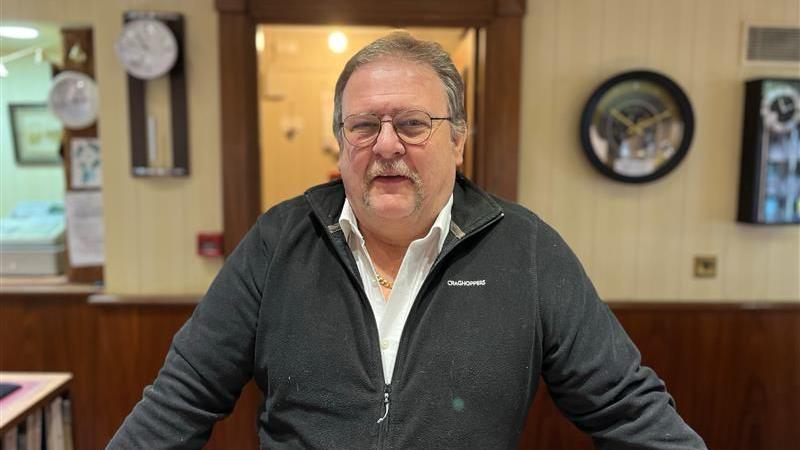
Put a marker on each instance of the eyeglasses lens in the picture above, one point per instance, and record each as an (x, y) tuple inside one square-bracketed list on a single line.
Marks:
[(413, 127)]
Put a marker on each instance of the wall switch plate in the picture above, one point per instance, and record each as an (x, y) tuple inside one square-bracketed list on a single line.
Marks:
[(705, 266)]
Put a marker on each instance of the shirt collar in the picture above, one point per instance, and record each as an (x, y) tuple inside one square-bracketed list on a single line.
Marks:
[(349, 224)]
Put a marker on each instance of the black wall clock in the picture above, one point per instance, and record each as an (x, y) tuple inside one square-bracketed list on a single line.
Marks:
[(637, 126)]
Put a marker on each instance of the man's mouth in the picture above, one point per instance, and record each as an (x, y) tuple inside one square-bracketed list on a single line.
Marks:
[(390, 178)]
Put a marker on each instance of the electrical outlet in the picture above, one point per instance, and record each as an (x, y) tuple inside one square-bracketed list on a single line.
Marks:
[(705, 266)]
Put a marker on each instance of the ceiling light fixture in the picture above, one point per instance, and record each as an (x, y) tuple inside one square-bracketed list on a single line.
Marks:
[(18, 32), (337, 42)]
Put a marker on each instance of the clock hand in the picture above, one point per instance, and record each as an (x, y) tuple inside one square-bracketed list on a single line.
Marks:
[(622, 118), (782, 105), (646, 123)]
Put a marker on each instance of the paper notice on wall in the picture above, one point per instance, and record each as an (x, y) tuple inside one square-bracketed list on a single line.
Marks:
[(85, 234)]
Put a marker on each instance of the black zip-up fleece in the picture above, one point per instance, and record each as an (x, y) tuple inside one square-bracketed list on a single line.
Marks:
[(505, 302)]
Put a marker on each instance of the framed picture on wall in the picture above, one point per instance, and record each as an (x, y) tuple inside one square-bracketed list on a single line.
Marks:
[(36, 134)]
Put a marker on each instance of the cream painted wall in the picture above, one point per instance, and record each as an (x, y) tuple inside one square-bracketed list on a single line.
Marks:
[(638, 241), (151, 223)]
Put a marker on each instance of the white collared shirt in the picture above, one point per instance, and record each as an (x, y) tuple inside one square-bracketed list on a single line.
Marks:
[(391, 314)]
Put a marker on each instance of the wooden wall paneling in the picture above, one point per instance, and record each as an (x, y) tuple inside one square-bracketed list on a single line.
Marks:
[(67, 337), (142, 334), (239, 118), (120, 374), (727, 368), (53, 334), (546, 428), (733, 370), (238, 431)]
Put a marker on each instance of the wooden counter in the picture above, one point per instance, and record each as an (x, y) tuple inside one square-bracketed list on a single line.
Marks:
[(37, 391)]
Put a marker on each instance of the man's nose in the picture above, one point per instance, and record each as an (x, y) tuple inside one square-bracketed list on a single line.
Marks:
[(388, 144)]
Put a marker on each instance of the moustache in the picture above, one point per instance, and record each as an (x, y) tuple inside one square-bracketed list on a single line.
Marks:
[(396, 167)]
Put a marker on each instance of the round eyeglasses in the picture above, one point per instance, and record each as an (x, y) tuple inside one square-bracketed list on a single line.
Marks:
[(413, 127)]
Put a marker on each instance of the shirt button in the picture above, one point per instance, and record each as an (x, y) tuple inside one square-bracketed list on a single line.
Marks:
[(384, 344)]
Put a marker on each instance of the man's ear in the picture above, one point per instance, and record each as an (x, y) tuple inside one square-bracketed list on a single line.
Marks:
[(458, 146)]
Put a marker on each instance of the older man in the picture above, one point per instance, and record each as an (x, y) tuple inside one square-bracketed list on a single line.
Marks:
[(402, 307)]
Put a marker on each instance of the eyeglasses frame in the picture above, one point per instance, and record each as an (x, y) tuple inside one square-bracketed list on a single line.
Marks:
[(380, 129)]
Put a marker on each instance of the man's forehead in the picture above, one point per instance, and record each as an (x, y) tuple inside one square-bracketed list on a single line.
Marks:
[(393, 79)]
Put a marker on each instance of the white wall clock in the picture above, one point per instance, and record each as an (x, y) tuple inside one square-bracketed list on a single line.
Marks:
[(147, 48), (73, 99)]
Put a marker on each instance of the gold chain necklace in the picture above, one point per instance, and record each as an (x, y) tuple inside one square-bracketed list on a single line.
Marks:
[(383, 281)]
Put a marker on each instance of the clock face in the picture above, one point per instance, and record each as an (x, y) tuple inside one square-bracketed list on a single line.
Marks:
[(73, 99), (147, 48), (780, 109), (637, 126)]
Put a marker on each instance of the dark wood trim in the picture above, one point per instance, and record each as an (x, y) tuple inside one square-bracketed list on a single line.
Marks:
[(241, 182), (510, 7), (498, 115), (231, 6), (83, 37), (702, 306), (499, 73), (122, 300), (457, 13)]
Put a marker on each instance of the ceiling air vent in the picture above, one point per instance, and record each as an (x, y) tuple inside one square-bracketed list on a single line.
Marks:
[(772, 44)]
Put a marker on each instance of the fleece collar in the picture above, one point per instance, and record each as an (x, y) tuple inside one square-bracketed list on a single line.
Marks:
[(472, 207)]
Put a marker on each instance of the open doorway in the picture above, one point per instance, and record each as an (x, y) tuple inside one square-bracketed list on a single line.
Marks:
[(297, 70), (497, 85)]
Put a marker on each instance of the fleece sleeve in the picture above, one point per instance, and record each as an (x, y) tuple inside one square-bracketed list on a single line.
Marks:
[(592, 368), (208, 363)]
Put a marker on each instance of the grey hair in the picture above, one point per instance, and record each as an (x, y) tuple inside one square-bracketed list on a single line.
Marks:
[(402, 45)]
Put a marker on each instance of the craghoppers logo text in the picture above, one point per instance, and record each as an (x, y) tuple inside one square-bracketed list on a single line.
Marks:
[(464, 283)]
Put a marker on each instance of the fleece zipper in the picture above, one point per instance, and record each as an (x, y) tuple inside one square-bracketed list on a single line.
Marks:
[(336, 235), (384, 420)]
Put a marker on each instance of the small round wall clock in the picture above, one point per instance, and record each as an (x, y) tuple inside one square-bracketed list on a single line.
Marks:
[(147, 48), (73, 99), (637, 126)]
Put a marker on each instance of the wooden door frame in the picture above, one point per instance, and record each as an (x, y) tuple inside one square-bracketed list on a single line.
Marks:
[(498, 68)]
